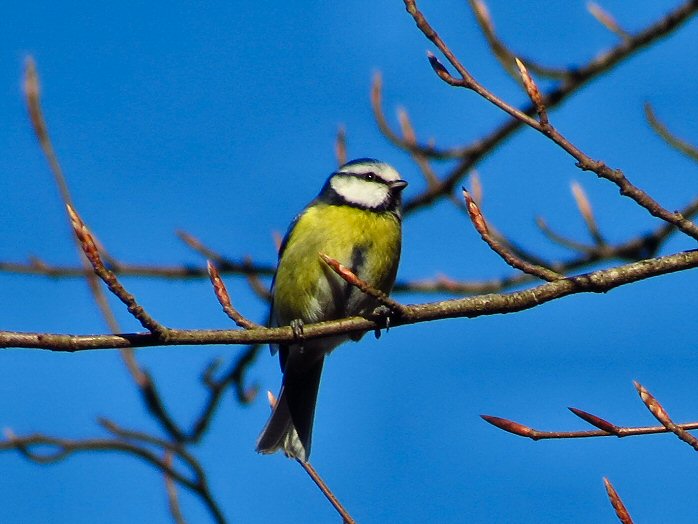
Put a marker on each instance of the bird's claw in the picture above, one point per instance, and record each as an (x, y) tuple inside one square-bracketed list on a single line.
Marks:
[(297, 328), (382, 314)]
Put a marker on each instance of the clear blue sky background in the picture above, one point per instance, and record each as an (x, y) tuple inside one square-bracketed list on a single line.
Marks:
[(220, 119)]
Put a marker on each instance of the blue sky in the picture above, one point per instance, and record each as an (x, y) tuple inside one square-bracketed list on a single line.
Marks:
[(220, 120)]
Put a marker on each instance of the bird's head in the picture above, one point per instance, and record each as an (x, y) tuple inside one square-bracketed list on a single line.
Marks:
[(367, 184)]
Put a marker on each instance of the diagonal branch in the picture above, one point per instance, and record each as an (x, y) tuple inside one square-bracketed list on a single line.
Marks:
[(579, 77), (584, 162)]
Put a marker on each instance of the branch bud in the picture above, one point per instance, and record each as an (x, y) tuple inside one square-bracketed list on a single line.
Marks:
[(475, 214), (533, 92)]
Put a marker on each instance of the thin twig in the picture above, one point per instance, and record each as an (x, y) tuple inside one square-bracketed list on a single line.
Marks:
[(587, 212), (428, 150), (350, 278), (618, 431), (607, 20), (224, 299), (584, 162), (88, 247), (670, 138), (171, 489), (317, 479), (510, 258), (505, 56), (32, 92), (643, 246), (557, 238), (234, 376), (580, 76)]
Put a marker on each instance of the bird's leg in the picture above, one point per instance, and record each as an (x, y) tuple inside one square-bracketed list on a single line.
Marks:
[(382, 314), (297, 328)]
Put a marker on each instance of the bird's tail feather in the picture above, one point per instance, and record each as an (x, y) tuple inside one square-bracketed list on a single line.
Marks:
[(290, 426)]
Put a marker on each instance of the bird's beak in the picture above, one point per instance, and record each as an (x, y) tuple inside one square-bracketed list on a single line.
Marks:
[(398, 185)]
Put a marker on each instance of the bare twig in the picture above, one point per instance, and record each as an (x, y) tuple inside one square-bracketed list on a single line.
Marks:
[(129, 442), (580, 76), (584, 162), (256, 285), (682, 145), (643, 246), (587, 212), (607, 20), (505, 56), (235, 377), (605, 428), (32, 91), (171, 489), (320, 483), (557, 238), (317, 479), (420, 159), (224, 299), (88, 246), (428, 150), (510, 258), (350, 278), (612, 430)]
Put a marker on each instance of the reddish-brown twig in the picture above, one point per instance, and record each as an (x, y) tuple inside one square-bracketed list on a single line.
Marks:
[(320, 483), (224, 299), (617, 503), (90, 249), (350, 278), (606, 429), (317, 479), (256, 285), (32, 92), (481, 226)]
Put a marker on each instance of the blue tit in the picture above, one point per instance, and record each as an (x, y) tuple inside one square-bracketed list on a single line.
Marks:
[(355, 220)]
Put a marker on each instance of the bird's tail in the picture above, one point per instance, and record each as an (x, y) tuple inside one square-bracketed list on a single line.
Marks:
[(290, 426)]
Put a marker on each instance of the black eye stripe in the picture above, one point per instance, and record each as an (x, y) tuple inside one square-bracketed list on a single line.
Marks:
[(370, 176)]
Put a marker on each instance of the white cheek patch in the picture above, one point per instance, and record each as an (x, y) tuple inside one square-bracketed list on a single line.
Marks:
[(359, 191)]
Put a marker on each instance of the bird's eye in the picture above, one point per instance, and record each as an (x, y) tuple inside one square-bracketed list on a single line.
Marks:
[(370, 176)]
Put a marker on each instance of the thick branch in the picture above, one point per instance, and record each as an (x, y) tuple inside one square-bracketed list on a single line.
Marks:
[(596, 282)]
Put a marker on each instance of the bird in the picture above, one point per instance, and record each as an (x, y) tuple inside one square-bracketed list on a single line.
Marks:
[(356, 220)]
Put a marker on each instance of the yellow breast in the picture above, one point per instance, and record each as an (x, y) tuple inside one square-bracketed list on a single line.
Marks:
[(305, 288)]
